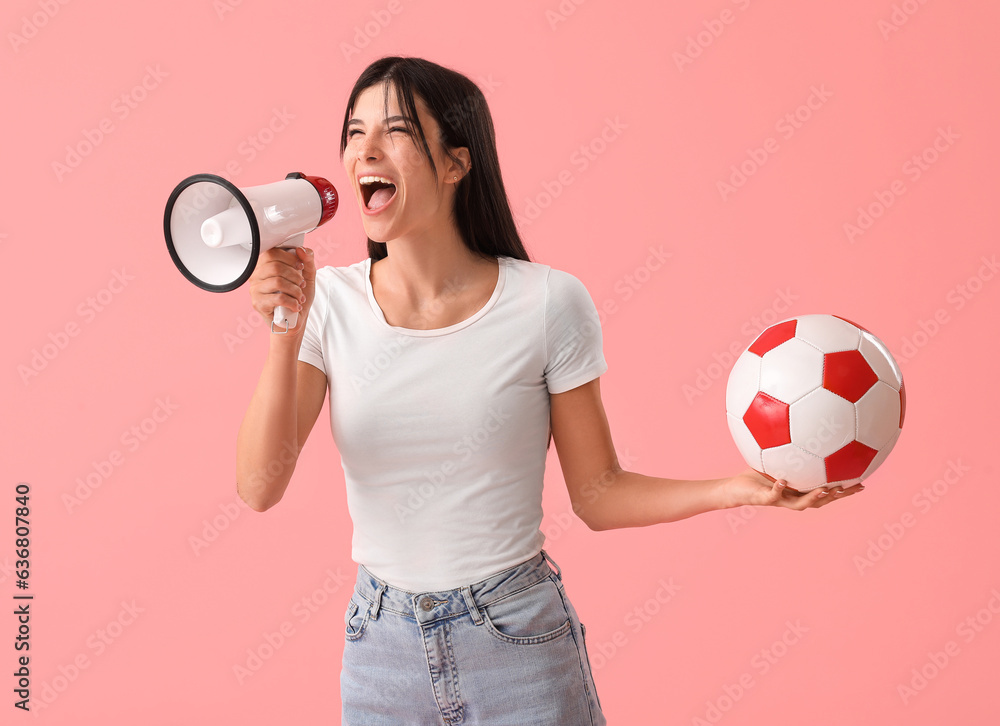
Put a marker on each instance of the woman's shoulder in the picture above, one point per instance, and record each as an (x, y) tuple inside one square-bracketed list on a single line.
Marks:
[(525, 267), (338, 283), (342, 273), (557, 282)]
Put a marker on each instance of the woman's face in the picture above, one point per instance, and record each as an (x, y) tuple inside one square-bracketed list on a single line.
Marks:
[(412, 199)]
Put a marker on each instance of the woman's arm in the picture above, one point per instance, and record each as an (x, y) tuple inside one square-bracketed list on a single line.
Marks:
[(284, 407), (289, 394), (605, 496)]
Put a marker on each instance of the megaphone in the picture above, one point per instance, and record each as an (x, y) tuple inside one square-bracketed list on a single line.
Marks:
[(215, 232)]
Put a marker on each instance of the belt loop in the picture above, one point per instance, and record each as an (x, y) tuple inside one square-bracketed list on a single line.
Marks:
[(553, 562), (470, 602), (378, 600)]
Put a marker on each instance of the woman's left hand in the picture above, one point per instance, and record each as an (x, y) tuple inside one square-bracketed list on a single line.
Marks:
[(750, 487)]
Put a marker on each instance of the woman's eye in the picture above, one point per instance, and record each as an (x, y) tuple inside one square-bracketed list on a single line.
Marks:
[(353, 132)]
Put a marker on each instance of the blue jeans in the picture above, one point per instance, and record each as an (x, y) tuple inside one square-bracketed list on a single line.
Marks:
[(506, 650)]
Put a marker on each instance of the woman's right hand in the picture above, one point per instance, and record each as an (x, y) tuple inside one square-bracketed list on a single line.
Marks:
[(285, 277)]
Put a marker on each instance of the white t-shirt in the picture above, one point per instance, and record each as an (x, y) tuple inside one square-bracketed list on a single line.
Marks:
[(443, 433)]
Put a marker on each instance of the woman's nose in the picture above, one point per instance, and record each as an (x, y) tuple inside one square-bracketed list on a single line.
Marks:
[(368, 149)]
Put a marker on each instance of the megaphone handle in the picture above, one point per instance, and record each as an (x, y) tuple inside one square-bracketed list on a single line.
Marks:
[(282, 316), (285, 318)]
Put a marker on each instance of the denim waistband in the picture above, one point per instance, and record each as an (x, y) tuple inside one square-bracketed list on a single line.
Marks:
[(427, 607)]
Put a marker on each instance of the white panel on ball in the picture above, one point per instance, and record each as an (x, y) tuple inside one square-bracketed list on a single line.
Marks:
[(828, 333), (802, 470), (878, 415), (743, 383), (791, 370), (822, 422)]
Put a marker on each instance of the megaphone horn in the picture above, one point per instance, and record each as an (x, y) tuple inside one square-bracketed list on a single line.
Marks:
[(215, 231)]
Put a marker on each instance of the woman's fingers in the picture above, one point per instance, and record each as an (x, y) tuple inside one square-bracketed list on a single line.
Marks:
[(824, 495), (278, 279), (795, 499)]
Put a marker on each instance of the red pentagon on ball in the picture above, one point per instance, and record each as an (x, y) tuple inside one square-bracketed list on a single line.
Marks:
[(773, 337), (848, 374), (767, 419), (849, 462)]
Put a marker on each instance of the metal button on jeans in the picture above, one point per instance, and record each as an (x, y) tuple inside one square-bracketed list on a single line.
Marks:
[(426, 603)]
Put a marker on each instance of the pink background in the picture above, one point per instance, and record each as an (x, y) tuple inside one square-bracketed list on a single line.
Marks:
[(820, 617)]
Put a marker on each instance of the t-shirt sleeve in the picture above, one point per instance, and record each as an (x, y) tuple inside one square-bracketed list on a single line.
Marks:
[(311, 350), (574, 348)]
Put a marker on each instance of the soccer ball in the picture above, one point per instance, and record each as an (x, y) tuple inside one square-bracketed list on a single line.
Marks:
[(815, 400)]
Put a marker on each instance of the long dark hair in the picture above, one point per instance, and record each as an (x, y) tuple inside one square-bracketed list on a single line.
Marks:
[(482, 211)]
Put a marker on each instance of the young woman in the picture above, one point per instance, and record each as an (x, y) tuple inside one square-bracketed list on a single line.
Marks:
[(453, 362)]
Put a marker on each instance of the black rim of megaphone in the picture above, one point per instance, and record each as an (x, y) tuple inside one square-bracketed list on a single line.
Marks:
[(254, 229)]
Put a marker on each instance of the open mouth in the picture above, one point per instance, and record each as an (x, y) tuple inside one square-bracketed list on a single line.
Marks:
[(376, 192)]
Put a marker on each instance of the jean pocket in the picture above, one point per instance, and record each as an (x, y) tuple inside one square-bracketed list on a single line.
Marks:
[(356, 617), (533, 615)]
